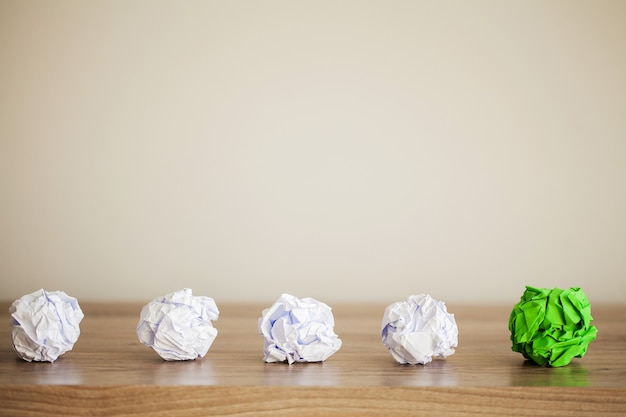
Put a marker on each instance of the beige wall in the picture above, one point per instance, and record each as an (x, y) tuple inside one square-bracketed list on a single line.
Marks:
[(350, 151)]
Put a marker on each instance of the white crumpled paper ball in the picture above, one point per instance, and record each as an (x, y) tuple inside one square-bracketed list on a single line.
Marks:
[(419, 328), (178, 325), (298, 330), (44, 325)]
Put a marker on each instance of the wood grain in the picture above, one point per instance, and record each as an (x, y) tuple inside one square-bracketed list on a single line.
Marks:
[(109, 373), (153, 400)]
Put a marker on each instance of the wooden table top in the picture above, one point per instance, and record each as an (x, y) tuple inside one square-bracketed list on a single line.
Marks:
[(110, 373)]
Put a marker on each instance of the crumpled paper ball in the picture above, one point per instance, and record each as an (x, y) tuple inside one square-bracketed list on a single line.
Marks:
[(178, 325), (44, 325), (298, 330), (552, 326), (419, 328)]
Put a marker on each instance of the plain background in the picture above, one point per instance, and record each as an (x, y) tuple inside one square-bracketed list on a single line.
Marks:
[(352, 151)]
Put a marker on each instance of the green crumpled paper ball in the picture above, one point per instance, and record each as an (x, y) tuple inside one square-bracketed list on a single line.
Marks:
[(552, 326)]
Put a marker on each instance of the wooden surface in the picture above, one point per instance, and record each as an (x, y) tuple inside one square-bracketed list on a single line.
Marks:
[(109, 373)]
